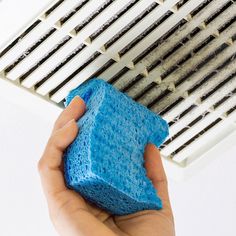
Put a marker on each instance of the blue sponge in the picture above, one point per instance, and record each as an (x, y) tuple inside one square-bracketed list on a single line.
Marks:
[(105, 161)]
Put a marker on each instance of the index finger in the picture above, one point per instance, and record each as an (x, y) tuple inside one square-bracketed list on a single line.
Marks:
[(74, 110)]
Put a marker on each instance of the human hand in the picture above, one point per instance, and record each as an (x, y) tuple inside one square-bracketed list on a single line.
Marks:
[(72, 215)]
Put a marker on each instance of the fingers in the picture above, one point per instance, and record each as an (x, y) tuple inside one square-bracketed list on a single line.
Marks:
[(74, 110), (156, 172), (65, 131), (50, 163)]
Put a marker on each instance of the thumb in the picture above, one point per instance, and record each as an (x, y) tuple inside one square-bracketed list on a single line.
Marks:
[(63, 137), (156, 172)]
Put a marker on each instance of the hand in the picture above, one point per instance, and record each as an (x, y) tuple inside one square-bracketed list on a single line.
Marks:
[(72, 215)]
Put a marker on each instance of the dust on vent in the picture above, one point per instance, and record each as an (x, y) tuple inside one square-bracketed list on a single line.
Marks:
[(178, 58)]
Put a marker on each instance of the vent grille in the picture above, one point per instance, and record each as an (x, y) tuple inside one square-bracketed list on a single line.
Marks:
[(178, 58)]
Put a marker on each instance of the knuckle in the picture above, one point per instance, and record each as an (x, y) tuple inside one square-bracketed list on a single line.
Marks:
[(53, 140), (60, 122), (164, 182), (42, 165), (57, 124)]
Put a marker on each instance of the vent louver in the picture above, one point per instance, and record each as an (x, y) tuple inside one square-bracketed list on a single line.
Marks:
[(178, 58)]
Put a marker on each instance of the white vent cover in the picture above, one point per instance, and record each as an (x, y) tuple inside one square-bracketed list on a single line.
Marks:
[(178, 58)]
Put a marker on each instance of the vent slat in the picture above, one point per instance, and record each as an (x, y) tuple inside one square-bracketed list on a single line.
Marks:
[(200, 141), (158, 15), (140, 17), (197, 59), (181, 3), (65, 71), (180, 122), (100, 19), (199, 8), (78, 79), (196, 137), (186, 49), (119, 25), (212, 137), (132, 83), (53, 7), (160, 43), (182, 114), (224, 99), (168, 108), (19, 38), (101, 69), (218, 78), (167, 46), (82, 67), (44, 58), (93, 15), (147, 89), (202, 123), (231, 110), (71, 13), (154, 35), (54, 39), (73, 44), (218, 12), (33, 35), (140, 36), (29, 50), (37, 77), (227, 80), (188, 126)]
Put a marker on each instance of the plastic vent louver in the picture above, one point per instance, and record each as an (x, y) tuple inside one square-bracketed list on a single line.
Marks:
[(178, 58)]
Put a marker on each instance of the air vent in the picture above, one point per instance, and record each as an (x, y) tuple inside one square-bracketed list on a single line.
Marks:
[(178, 58)]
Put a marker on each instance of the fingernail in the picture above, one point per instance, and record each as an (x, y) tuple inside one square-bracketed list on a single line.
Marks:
[(76, 98)]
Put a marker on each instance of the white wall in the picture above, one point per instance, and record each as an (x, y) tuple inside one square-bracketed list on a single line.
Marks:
[(206, 203), (23, 210)]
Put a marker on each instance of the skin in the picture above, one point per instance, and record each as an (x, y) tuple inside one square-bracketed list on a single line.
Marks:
[(74, 216)]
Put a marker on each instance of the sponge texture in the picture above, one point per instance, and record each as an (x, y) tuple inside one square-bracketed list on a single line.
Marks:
[(105, 161)]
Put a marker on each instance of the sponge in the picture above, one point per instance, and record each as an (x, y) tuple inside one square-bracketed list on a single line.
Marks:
[(105, 161)]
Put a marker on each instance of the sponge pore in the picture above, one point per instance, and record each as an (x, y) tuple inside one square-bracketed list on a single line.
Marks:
[(105, 161)]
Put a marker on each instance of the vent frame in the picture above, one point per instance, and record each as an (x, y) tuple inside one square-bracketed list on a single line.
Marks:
[(159, 79)]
